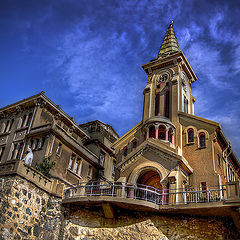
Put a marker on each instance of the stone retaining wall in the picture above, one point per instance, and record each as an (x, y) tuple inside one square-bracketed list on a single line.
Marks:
[(27, 212), (82, 223)]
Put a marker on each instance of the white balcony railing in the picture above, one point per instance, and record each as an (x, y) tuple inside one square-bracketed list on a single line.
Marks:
[(147, 193)]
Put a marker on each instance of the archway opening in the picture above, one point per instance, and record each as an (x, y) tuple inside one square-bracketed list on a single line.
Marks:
[(151, 178)]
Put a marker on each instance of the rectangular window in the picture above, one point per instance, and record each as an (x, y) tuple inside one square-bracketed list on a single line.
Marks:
[(13, 151), (59, 149), (101, 158), (89, 173), (76, 165), (20, 148), (203, 186), (71, 161), (113, 168), (1, 153)]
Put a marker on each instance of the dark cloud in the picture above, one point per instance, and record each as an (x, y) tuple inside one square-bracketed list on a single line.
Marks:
[(87, 55)]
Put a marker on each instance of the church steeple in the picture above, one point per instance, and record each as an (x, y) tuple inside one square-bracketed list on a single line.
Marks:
[(170, 43), (170, 76)]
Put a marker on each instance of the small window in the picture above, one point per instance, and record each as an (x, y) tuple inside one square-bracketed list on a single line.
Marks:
[(161, 132), (125, 151), (71, 160), (14, 151), (23, 121), (152, 132), (20, 148), (7, 126), (11, 124), (101, 158), (203, 186), (202, 140), (134, 144), (59, 149), (29, 119), (1, 153), (170, 135), (158, 86), (113, 168), (190, 135), (89, 173)]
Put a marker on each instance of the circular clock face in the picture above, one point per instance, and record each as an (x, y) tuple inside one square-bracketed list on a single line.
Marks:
[(163, 78)]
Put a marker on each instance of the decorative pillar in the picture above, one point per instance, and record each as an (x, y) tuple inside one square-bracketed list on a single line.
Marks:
[(164, 193), (147, 136), (166, 134), (156, 129)]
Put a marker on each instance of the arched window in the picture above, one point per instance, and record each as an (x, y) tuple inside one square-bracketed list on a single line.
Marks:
[(134, 144), (190, 135), (167, 102), (170, 135), (161, 132), (202, 139), (152, 132), (125, 151)]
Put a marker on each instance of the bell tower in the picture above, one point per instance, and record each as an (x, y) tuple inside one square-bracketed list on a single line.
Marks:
[(170, 76)]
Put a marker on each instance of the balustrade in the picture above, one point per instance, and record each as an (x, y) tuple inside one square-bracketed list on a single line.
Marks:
[(147, 193)]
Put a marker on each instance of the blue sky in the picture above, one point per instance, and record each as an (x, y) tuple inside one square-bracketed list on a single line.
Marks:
[(87, 55)]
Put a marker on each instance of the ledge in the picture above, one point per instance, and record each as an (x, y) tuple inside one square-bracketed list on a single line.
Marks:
[(31, 174)]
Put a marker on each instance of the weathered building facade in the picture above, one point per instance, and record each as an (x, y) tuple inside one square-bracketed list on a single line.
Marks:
[(68, 179)]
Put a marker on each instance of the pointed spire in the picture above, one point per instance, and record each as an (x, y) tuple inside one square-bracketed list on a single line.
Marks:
[(170, 43)]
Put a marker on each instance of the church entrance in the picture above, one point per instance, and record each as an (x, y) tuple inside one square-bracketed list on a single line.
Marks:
[(148, 181), (150, 178)]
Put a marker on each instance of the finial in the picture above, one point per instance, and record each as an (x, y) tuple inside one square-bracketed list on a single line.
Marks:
[(172, 22)]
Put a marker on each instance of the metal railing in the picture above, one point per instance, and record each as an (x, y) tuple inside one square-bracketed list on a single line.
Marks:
[(147, 193)]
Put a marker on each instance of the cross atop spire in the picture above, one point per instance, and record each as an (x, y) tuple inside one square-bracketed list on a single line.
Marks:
[(170, 43)]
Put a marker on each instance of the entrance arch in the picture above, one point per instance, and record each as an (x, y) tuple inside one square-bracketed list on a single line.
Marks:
[(150, 177)]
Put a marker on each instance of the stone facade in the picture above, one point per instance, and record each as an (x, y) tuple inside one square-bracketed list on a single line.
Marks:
[(27, 212)]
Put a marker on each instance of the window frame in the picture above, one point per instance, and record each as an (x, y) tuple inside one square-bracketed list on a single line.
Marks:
[(188, 132)]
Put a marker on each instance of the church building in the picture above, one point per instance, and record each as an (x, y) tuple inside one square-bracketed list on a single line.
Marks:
[(172, 161)]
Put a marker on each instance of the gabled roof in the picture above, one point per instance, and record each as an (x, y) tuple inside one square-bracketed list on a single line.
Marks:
[(170, 43)]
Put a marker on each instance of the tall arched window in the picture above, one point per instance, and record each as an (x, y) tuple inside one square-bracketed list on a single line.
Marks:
[(125, 151), (202, 139), (157, 104), (161, 132), (170, 135), (190, 135), (134, 144), (152, 132), (167, 102)]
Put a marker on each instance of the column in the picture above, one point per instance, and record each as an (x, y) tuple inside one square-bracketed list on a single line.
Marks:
[(156, 129), (164, 193), (147, 136), (166, 134)]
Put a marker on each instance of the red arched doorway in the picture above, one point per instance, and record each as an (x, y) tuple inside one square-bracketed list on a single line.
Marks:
[(151, 178)]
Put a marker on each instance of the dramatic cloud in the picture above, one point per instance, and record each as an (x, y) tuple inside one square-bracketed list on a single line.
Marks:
[(87, 55)]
